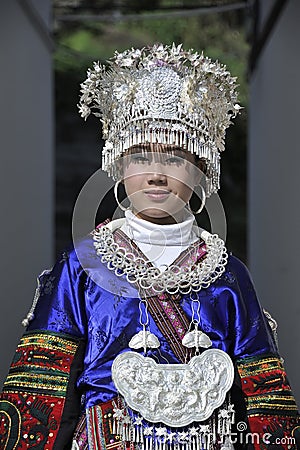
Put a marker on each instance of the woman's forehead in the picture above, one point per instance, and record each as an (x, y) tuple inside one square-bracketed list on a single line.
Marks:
[(160, 148)]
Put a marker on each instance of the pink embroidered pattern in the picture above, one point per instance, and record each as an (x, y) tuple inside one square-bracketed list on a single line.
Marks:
[(172, 316)]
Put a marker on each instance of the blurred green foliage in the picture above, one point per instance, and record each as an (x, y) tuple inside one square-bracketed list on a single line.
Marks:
[(219, 36)]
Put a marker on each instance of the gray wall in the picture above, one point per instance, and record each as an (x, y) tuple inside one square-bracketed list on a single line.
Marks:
[(26, 138), (27, 173), (274, 182)]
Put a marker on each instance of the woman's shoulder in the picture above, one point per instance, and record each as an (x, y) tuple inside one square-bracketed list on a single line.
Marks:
[(76, 250), (234, 264), (83, 247), (237, 266), (237, 275)]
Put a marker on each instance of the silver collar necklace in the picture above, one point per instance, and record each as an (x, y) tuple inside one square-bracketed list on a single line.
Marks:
[(174, 279)]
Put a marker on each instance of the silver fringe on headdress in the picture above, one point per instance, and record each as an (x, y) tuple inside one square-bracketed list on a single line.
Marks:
[(162, 94)]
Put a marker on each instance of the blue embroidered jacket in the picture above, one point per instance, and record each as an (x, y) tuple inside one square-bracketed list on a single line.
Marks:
[(86, 316)]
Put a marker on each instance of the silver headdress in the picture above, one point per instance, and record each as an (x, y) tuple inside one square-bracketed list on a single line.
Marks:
[(162, 94)]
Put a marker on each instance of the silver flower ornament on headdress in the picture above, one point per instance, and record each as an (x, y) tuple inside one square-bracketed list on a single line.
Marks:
[(162, 94)]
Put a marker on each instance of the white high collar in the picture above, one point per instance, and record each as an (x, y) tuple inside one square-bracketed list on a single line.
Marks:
[(142, 231)]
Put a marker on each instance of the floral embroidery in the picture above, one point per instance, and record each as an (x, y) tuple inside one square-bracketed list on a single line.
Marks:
[(64, 257), (100, 338), (118, 292), (48, 286), (64, 320), (229, 277)]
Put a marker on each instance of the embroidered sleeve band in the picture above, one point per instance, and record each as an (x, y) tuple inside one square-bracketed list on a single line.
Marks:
[(265, 385), (271, 407), (34, 393)]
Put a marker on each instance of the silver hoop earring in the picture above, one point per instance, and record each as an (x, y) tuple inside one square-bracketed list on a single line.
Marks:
[(116, 196), (203, 200)]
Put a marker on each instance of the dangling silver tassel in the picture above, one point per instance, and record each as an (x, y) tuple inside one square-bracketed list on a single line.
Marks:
[(232, 411), (193, 443), (219, 424), (175, 138), (204, 441), (125, 432), (122, 434), (114, 428), (118, 416), (223, 427), (214, 431), (208, 439), (172, 137), (134, 434), (119, 428), (148, 432), (30, 315)]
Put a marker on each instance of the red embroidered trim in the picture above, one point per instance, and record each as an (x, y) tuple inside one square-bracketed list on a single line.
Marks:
[(272, 411), (265, 385), (276, 431), (100, 428), (80, 434), (29, 421), (33, 400)]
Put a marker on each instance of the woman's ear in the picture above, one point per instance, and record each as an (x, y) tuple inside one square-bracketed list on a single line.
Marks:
[(197, 176), (199, 172)]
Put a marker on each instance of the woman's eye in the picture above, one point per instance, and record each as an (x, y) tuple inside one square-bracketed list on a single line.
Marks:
[(174, 160), (139, 159)]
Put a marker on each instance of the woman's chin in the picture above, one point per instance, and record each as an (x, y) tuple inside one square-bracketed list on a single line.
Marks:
[(158, 216)]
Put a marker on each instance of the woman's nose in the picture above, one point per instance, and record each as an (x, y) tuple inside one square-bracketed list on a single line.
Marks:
[(157, 175)]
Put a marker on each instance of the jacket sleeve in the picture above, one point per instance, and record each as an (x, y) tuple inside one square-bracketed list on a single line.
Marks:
[(273, 418), (40, 404)]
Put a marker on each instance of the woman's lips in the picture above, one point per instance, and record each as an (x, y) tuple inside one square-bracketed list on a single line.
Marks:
[(157, 195)]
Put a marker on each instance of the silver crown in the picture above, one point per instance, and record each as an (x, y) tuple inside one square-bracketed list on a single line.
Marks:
[(162, 94)]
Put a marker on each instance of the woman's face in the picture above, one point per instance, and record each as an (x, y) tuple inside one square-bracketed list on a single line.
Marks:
[(159, 181)]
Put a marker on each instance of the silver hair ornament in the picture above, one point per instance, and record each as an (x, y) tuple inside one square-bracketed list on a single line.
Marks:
[(161, 94)]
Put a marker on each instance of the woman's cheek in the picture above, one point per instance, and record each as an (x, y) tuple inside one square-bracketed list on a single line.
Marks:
[(132, 184)]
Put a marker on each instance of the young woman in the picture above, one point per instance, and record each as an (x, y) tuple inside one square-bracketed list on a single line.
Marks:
[(146, 334)]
